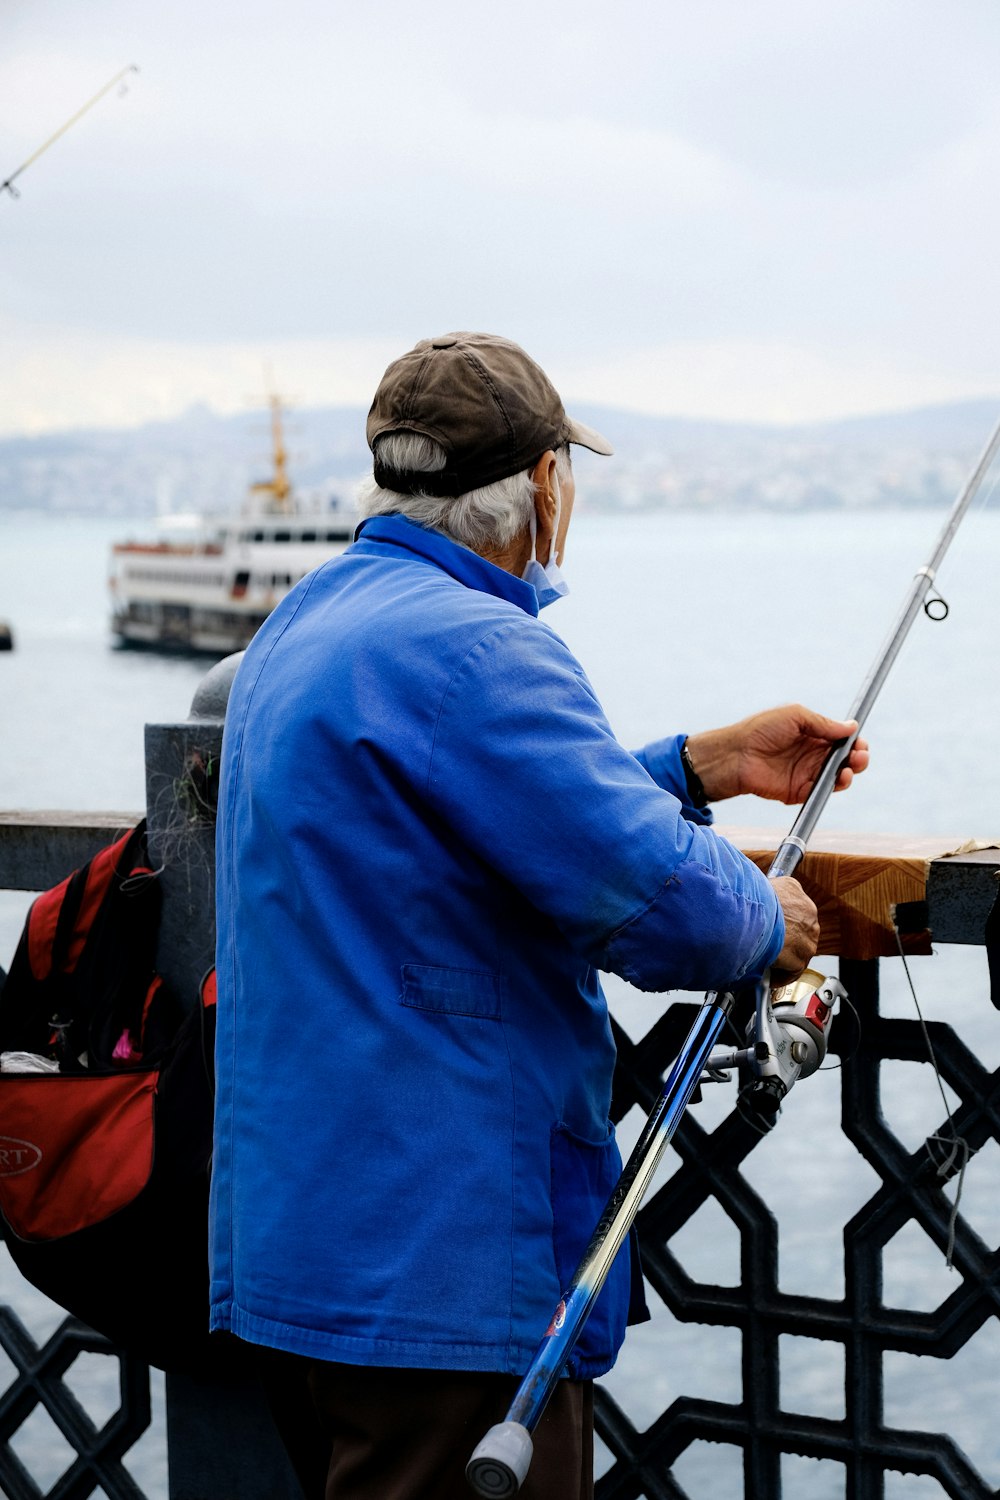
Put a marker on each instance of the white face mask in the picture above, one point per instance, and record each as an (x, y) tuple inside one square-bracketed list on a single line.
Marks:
[(547, 582)]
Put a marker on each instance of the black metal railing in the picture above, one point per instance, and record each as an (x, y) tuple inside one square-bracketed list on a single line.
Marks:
[(214, 1433), (911, 1187), (39, 1384)]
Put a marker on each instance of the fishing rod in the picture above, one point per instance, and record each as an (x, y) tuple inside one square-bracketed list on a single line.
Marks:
[(786, 1040), (8, 184)]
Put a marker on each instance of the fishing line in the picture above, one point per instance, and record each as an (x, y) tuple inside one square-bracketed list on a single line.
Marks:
[(837, 1066), (958, 1146)]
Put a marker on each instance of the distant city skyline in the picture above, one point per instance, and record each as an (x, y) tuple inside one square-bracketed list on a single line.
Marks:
[(772, 213), (202, 463)]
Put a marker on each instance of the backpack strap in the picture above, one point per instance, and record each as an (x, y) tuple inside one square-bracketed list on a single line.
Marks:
[(61, 919), (82, 986)]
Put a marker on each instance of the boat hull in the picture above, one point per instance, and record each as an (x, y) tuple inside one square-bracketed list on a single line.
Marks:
[(211, 593), (185, 630)]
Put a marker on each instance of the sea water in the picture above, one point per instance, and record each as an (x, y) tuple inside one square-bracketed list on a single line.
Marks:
[(683, 621)]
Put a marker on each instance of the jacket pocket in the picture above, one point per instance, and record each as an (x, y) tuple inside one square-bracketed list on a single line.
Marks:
[(458, 992), (583, 1176)]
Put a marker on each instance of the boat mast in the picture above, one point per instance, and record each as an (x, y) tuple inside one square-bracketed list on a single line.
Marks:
[(278, 488), (281, 485)]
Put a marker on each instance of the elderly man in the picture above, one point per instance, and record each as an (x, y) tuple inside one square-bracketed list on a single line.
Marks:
[(429, 844)]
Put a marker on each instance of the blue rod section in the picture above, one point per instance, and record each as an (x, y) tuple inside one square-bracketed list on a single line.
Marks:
[(570, 1316)]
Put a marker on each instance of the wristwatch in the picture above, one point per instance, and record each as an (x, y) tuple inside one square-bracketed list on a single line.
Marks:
[(696, 792)]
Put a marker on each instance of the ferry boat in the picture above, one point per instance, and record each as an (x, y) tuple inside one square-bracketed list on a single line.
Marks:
[(207, 584)]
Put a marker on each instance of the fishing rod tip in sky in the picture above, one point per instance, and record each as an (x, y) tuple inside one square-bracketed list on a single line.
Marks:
[(120, 79)]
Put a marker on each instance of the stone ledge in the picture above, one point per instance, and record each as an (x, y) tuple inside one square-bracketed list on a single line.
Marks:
[(38, 849)]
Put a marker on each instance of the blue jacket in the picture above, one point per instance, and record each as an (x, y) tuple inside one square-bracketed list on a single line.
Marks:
[(429, 842)]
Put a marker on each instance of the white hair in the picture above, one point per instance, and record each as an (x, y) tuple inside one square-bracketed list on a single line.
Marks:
[(484, 520)]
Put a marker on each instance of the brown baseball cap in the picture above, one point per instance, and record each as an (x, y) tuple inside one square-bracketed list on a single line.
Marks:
[(493, 410)]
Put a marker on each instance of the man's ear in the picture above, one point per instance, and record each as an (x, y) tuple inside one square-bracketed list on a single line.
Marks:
[(546, 482)]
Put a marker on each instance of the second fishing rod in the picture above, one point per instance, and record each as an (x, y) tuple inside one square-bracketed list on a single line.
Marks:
[(786, 1041)]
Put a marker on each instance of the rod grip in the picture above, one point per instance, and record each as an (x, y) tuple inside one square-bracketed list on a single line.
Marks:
[(499, 1465)]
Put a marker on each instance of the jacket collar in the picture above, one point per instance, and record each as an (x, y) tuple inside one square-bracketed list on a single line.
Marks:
[(434, 547)]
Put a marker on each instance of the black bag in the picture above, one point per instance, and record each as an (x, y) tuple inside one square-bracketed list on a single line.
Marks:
[(104, 1164)]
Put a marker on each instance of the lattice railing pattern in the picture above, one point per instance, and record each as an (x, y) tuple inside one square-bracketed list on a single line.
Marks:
[(859, 1321), (710, 1162), (95, 1451)]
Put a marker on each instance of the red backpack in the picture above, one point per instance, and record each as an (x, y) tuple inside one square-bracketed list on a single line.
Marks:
[(105, 1146)]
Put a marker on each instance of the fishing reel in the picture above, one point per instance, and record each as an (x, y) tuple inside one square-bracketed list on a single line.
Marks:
[(787, 1038)]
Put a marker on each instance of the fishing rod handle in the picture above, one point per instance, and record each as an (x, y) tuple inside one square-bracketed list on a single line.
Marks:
[(499, 1466), (491, 1463)]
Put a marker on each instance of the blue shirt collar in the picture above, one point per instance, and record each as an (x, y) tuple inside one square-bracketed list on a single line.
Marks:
[(467, 566)]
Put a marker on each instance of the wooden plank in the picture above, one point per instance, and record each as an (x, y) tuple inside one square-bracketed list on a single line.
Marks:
[(959, 888)]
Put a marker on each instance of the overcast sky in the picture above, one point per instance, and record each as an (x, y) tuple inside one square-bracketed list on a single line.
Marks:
[(764, 209)]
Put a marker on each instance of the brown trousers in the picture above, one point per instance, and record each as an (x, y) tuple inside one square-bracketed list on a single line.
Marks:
[(358, 1432)]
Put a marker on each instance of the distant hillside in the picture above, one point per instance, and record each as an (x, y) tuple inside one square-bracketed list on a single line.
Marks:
[(198, 461), (951, 427), (201, 461)]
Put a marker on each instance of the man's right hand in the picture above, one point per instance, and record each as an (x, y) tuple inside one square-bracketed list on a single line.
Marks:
[(801, 930)]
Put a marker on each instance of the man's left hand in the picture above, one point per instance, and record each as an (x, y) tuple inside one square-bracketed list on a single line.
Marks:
[(775, 754)]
